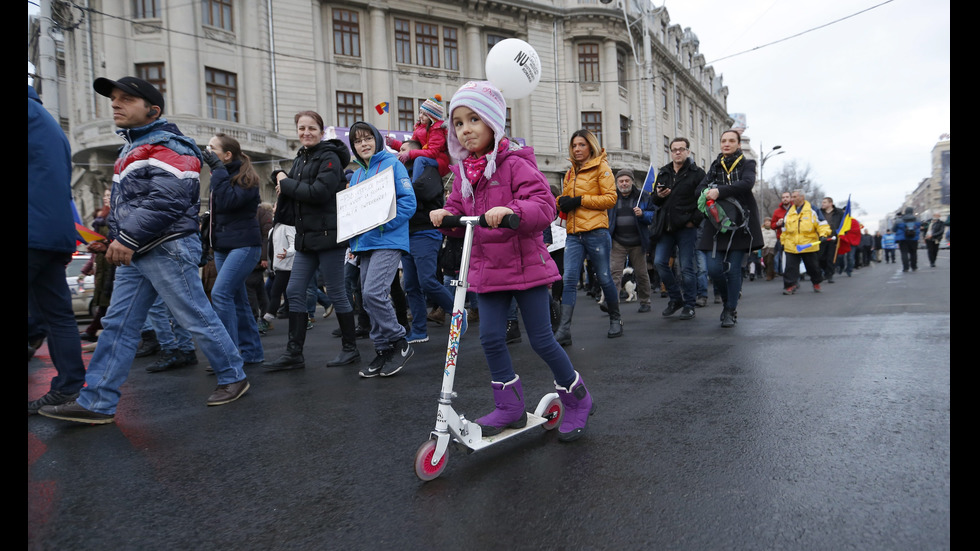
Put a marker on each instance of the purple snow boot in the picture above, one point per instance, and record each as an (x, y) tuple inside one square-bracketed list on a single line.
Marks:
[(578, 407), (509, 412)]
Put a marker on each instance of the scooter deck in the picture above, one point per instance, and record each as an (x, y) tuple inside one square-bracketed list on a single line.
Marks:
[(532, 421)]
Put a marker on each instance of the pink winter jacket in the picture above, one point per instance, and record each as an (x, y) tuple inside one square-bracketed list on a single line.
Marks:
[(504, 259)]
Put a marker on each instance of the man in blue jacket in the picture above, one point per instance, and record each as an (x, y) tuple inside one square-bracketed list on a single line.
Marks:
[(907, 229), (50, 243), (629, 227), (154, 225)]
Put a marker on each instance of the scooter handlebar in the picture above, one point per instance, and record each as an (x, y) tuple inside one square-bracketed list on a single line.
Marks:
[(510, 221)]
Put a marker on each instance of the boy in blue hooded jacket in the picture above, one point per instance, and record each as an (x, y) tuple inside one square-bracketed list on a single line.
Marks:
[(380, 250)]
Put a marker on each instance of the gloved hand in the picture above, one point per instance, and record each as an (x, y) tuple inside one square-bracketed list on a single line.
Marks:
[(403, 157), (274, 176), (567, 204), (212, 160)]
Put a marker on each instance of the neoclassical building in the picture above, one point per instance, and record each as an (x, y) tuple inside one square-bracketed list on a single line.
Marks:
[(245, 67)]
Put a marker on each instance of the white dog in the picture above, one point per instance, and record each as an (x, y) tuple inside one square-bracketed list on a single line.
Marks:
[(629, 284)]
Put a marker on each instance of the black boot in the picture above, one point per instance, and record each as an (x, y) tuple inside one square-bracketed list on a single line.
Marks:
[(513, 331), (615, 321), (292, 358), (564, 333), (149, 345), (349, 353)]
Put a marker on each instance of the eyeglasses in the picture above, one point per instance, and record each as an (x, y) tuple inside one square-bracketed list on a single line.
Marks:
[(679, 150)]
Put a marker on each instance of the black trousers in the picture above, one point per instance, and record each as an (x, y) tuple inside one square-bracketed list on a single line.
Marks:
[(791, 273)]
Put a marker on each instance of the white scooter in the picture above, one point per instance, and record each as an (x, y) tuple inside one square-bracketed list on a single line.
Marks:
[(451, 427)]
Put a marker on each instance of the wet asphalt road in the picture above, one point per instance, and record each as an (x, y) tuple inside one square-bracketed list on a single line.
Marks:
[(822, 421)]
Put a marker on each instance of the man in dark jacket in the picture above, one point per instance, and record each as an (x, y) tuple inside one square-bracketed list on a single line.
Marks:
[(50, 243), (834, 216), (934, 236), (154, 225), (629, 227), (676, 226)]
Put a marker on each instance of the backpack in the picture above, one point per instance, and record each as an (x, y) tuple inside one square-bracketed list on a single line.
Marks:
[(910, 232)]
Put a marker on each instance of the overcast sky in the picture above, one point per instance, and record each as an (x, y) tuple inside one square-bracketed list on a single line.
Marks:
[(862, 101)]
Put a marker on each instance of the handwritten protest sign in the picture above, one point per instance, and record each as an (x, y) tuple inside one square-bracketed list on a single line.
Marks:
[(366, 206)]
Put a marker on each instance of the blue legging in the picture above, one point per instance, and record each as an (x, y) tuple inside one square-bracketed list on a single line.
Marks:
[(535, 307)]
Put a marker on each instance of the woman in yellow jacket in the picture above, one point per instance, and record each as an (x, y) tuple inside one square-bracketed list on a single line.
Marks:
[(588, 192)]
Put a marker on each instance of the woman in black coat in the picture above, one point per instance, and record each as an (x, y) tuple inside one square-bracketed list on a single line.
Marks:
[(308, 201), (729, 184)]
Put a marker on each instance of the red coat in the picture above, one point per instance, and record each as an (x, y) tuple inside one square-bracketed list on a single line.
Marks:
[(433, 140), (851, 238)]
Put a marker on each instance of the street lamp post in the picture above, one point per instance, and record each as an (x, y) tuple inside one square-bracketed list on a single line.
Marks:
[(778, 150)]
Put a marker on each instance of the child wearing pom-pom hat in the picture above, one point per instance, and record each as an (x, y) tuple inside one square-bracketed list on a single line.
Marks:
[(430, 131)]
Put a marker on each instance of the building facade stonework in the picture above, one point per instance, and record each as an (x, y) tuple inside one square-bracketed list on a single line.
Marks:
[(246, 67)]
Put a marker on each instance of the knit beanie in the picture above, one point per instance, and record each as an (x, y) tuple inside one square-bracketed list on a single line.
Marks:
[(626, 172), (433, 108), (484, 99)]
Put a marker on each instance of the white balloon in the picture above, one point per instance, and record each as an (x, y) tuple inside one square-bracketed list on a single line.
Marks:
[(514, 67)]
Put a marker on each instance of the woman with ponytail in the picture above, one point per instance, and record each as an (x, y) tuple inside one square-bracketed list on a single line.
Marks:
[(235, 239)]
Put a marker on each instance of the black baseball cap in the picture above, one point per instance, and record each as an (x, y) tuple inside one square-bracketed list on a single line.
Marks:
[(132, 86)]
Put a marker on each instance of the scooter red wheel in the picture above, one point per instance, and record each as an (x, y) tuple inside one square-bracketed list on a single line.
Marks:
[(555, 410), (424, 468)]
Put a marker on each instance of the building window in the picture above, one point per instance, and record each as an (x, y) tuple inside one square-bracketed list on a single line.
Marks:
[(403, 41), (711, 131), (350, 108), (217, 13), (663, 96), (145, 9), (678, 114), (667, 146), (154, 74), (624, 132), (592, 121), (701, 134), (493, 39), (427, 44), (450, 45), (346, 33), (406, 114), (621, 67), (222, 94), (690, 120), (588, 62), (507, 127)]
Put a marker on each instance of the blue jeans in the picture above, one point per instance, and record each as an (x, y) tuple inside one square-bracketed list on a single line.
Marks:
[(702, 273), (49, 301), (230, 299), (725, 271), (684, 292), (418, 167), (331, 265), (170, 270), (596, 246), (419, 272), (170, 334), (535, 307)]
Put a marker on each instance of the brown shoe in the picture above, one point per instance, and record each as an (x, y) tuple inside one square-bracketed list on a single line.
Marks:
[(437, 316), (74, 412), (228, 393)]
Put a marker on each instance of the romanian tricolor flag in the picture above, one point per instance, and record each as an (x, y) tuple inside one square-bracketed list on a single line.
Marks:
[(382, 107), (845, 223), (87, 235), (845, 226)]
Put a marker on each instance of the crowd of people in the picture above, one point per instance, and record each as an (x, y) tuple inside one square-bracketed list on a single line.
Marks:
[(597, 231)]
